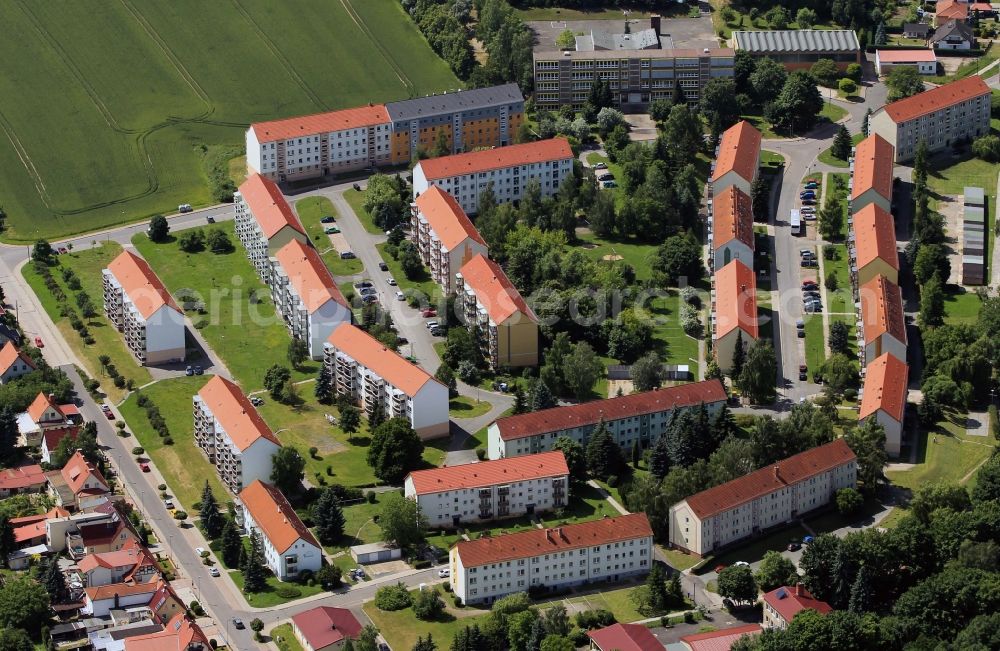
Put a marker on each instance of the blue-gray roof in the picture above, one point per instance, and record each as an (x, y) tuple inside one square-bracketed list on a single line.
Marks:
[(600, 40), (444, 103), (797, 40)]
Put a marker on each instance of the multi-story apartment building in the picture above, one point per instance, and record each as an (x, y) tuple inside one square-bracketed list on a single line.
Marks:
[(748, 505), (377, 378), (444, 235), (638, 67), (799, 49), (883, 397), (493, 309), (873, 245), (871, 174), (781, 605), (377, 135), (606, 550), (508, 169), (141, 308), (232, 434), (13, 363), (638, 417), (734, 312), (264, 222), (732, 228), (306, 296), (504, 488), (738, 158), (289, 546), (954, 112), (883, 322)]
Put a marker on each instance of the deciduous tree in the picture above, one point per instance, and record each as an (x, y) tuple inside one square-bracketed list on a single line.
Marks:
[(736, 583), (401, 521), (287, 470), (395, 450)]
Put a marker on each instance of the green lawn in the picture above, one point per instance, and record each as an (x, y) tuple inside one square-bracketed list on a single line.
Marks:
[(961, 308), (839, 182), (840, 301), (140, 135), (827, 155), (465, 407), (971, 67), (423, 286), (249, 337), (754, 550), (635, 253), (946, 455), (270, 597), (615, 169), (284, 639), (953, 179), (400, 628), (617, 601), (679, 560), (815, 343), (310, 211), (182, 464), (833, 112), (107, 340), (359, 528), (355, 199), (771, 159), (852, 335)]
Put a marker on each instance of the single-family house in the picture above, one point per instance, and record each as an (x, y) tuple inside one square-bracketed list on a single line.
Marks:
[(78, 485), (13, 363), (99, 601), (720, 640), (325, 628), (45, 414), (23, 479), (178, 634), (624, 637), (133, 563), (781, 605)]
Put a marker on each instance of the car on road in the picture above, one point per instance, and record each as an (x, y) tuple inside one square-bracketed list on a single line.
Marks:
[(803, 372), (62, 249), (347, 255), (400, 297), (600, 166), (331, 230), (39, 343), (391, 281), (200, 551), (443, 573), (429, 312), (144, 466), (238, 624), (256, 401), (383, 266), (327, 219), (184, 207), (189, 371), (198, 370), (357, 188), (215, 572), (741, 564), (210, 220), (107, 412)]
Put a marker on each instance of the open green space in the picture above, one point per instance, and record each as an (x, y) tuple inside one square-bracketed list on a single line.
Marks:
[(617, 601), (270, 596), (310, 211), (465, 407), (634, 253), (108, 341), (815, 342), (678, 559), (400, 628), (840, 301), (248, 335), (356, 200), (961, 307), (852, 331), (423, 286), (946, 454), (284, 639), (833, 112), (139, 137), (615, 169), (771, 159), (827, 157)]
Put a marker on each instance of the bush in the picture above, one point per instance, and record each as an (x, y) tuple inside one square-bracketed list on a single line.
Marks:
[(180, 515), (457, 601), (579, 638), (847, 86), (137, 450), (481, 454), (196, 608), (590, 619), (447, 587), (393, 597), (849, 501), (987, 148), (612, 480), (288, 592), (422, 564), (161, 487), (167, 440)]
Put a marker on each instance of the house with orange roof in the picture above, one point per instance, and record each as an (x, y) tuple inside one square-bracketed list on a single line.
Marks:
[(608, 550), (21, 480), (99, 601), (874, 245), (871, 177), (883, 397), (371, 375), (133, 563), (178, 634), (306, 296), (744, 507), (494, 310), (444, 235), (13, 363), (732, 228), (781, 605), (503, 488), (45, 414), (925, 61), (958, 111), (32, 530), (950, 10), (324, 628), (882, 319), (51, 438), (509, 170), (78, 485), (720, 640), (141, 308), (232, 434), (624, 637), (738, 158), (734, 310), (289, 546), (264, 222)]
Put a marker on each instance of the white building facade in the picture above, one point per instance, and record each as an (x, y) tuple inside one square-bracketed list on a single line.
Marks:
[(444, 236), (264, 222), (289, 547)]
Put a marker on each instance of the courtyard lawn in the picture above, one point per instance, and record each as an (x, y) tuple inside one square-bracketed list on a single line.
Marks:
[(669, 335), (359, 523), (400, 628), (840, 301), (270, 596), (634, 253), (678, 559), (826, 156), (465, 407), (248, 336), (946, 455), (422, 287), (615, 169), (107, 340), (183, 465), (754, 550), (356, 200), (771, 160), (310, 211), (618, 601), (284, 639), (951, 178), (833, 112), (961, 307), (815, 342), (852, 335)]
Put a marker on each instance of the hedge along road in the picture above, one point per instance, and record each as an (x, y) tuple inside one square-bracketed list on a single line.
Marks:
[(113, 108)]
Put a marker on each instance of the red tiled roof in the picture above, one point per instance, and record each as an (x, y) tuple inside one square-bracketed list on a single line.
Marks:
[(761, 482), (38, 406), (951, 9), (875, 237), (235, 413), (739, 151), (446, 218), (21, 477), (373, 354), (981, 6), (790, 601), (126, 557), (882, 309), (498, 158), (102, 592), (590, 413), (51, 514), (51, 437), (275, 516), (31, 531), (10, 354), (309, 276), (625, 637), (78, 470), (489, 473), (873, 160), (533, 542), (323, 625), (721, 640), (735, 300), (310, 125), (906, 56), (268, 206), (885, 387), (493, 289), (733, 218), (179, 634), (141, 284), (936, 99)]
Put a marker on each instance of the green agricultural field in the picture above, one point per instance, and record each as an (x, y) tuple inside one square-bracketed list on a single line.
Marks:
[(197, 74)]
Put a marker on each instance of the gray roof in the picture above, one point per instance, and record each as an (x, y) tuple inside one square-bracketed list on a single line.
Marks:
[(973, 195), (600, 40), (953, 28), (371, 548), (463, 100), (917, 28), (797, 40)]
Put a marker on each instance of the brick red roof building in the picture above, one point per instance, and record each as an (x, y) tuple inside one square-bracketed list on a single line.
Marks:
[(624, 637)]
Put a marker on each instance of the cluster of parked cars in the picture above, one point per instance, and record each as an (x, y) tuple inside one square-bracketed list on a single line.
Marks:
[(808, 195), (808, 258), (358, 573), (811, 300), (194, 370), (604, 177)]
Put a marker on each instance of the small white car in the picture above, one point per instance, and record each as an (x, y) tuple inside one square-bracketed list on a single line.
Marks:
[(391, 281), (199, 550), (444, 573), (400, 297), (215, 572)]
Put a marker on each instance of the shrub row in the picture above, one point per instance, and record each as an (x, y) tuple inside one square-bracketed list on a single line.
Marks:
[(156, 420)]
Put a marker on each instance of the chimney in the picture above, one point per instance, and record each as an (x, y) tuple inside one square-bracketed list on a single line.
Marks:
[(777, 475), (798, 589), (548, 535), (52, 397), (654, 23)]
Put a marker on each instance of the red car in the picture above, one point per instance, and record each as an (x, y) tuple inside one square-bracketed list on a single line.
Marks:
[(39, 343), (144, 467), (107, 412), (429, 312)]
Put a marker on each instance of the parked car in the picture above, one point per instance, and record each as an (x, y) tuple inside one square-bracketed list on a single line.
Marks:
[(809, 284), (238, 624), (39, 343), (438, 332), (805, 252), (391, 281), (808, 202), (814, 307), (444, 573), (198, 370), (609, 184), (600, 166), (331, 230), (370, 298), (807, 194), (811, 185), (431, 325), (803, 372), (402, 341), (184, 207), (357, 188), (362, 284), (189, 371), (347, 255), (794, 546), (107, 412), (199, 550), (807, 209), (215, 572), (605, 176), (328, 219), (400, 297), (808, 262), (144, 467), (256, 401), (383, 266), (62, 250), (429, 312)]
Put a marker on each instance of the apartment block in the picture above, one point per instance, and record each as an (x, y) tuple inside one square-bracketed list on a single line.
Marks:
[(734, 312), (873, 245), (883, 322), (732, 228), (444, 235), (883, 397), (306, 296), (508, 169), (141, 308), (289, 546), (871, 174), (641, 417), (264, 222), (377, 378), (606, 550), (799, 49), (232, 434), (940, 117), (493, 309), (749, 505), (737, 159), (504, 488)]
